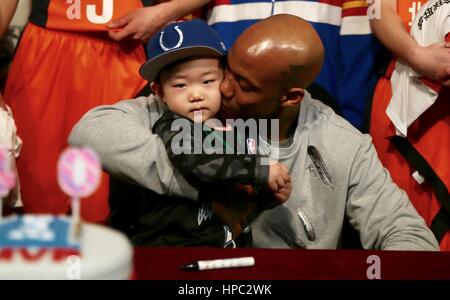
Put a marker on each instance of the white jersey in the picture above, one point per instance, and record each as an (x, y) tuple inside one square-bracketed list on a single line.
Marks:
[(410, 96)]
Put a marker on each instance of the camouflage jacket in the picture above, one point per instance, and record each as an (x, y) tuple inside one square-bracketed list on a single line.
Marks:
[(204, 154)]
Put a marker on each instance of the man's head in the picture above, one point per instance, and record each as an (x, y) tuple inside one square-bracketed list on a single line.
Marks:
[(185, 68), (269, 66)]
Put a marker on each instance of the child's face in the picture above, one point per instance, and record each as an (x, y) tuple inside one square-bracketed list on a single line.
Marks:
[(193, 87)]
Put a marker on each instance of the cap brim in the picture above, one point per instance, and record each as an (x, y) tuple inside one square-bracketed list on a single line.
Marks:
[(151, 68)]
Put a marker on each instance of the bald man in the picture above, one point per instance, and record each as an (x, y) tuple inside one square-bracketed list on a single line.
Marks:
[(334, 168)]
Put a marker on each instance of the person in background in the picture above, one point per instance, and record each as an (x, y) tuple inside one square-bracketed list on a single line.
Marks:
[(410, 118), (349, 73)]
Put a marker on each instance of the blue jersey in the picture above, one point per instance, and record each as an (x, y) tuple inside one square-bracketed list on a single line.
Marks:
[(351, 51)]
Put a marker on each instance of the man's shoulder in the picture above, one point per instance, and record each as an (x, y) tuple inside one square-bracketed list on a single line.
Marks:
[(320, 118), (147, 107), (332, 133), (334, 140), (148, 103)]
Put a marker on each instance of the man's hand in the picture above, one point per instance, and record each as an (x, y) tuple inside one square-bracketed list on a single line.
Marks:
[(279, 182), (139, 24)]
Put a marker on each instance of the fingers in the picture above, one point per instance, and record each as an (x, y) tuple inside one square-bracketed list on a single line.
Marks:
[(141, 36), (283, 194), (128, 31), (444, 76), (284, 174), (286, 177), (278, 176), (124, 26), (283, 180), (280, 181), (273, 185), (283, 189), (145, 39), (138, 36), (119, 35), (446, 83), (447, 72), (132, 29), (120, 22)]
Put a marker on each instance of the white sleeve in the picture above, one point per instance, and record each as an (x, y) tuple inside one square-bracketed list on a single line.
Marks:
[(8, 133)]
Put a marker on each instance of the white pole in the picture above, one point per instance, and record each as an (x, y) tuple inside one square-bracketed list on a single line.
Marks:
[(75, 210)]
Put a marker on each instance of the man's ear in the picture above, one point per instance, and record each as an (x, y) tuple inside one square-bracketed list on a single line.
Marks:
[(292, 97), (157, 89)]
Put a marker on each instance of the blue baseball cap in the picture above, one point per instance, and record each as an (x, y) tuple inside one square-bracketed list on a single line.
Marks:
[(178, 41)]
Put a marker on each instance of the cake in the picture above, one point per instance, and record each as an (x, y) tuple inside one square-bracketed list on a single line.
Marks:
[(62, 247), (50, 247)]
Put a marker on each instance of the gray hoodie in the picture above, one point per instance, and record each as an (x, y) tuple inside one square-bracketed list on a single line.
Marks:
[(334, 168)]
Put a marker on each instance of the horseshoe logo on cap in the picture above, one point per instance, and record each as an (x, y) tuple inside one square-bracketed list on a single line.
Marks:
[(180, 41)]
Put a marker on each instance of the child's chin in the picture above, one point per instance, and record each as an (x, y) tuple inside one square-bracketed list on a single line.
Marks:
[(200, 117)]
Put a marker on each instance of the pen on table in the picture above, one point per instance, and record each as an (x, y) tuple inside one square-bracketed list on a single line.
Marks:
[(220, 264)]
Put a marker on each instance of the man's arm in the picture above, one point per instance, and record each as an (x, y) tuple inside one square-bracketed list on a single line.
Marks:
[(7, 10), (432, 61), (380, 211), (142, 23), (121, 135)]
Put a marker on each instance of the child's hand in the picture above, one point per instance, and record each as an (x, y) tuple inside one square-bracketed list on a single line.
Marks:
[(278, 176), (279, 182), (283, 193)]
